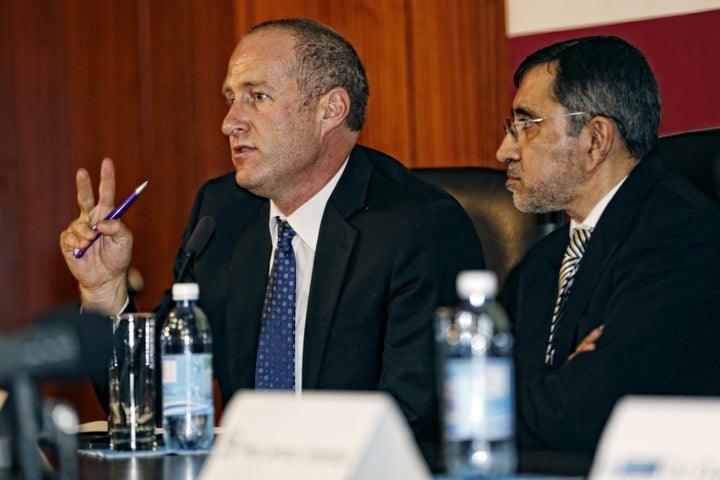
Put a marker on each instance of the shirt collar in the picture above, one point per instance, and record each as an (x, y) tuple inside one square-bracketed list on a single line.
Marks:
[(307, 218), (597, 210)]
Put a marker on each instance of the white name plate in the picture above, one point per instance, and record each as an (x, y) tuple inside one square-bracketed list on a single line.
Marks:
[(659, 438), (318, 435)]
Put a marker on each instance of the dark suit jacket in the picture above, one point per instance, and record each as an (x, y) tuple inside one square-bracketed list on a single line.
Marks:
[(651, 275), (389, 249)]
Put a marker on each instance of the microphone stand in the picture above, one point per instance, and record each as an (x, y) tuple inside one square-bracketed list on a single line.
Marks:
[(196, 243), (61, 425), (60, 422), (26, 425), (164, 307)]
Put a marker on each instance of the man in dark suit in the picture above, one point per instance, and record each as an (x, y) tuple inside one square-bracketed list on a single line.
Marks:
[(641, 315), (376, 249)]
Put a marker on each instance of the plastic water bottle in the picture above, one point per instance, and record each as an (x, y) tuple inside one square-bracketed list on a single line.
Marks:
[(475, 352), (187, 373)]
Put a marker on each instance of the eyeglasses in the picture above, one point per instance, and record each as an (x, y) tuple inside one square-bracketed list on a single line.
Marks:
[(512, 127)]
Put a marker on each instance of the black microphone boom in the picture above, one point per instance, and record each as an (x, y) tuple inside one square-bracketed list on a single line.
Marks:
[(199, 238), (195, 244)]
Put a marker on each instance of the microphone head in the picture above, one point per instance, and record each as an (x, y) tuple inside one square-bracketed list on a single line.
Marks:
[(200, 236), (195, 244)]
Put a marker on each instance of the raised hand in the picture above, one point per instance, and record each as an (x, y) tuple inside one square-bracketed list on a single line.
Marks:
[(101, 273)]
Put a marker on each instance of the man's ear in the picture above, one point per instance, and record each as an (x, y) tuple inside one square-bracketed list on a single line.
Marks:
[(602, 136), (334, 107)]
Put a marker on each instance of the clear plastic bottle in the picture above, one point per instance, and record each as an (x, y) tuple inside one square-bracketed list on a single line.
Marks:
[(187, 373), (475, 353)]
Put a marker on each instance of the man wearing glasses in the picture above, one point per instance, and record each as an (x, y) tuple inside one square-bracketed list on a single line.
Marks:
[(624, 298)]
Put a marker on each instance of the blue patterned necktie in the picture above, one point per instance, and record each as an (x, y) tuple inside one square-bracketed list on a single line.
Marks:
[(571, 260), (275, 369)]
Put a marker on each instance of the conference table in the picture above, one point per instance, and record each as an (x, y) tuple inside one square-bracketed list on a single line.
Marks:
[(533, 465), (167, 467), (188, 467), (94, 461)]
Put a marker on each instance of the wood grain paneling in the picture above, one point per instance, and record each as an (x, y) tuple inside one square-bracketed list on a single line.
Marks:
[(458, 96), (69, 81), (185, 51), (71, 98), (80, 80)]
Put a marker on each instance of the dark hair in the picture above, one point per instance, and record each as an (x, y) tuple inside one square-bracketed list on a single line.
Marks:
[(325, 60), (604, 76)]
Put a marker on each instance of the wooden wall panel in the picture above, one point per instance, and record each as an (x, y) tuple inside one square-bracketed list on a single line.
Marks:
[(69, 97), (186, 52), (79, 80), (458, 96), (136, 81)]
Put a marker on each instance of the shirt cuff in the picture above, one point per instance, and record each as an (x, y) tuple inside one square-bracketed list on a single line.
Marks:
[(114, 317)]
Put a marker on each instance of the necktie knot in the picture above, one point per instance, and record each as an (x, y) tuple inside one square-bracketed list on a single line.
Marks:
[(578, 241), (285, 235)]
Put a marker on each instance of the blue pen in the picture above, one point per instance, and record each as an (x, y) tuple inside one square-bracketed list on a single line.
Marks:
[(115, 214)]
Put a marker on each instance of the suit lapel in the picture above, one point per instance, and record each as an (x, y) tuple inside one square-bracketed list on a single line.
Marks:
[(246, 293), (334, 249), (331, 258), (607, 237), (541, 291)]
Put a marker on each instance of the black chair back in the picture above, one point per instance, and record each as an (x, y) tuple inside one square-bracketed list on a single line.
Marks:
[(696, 155), (506, 234)]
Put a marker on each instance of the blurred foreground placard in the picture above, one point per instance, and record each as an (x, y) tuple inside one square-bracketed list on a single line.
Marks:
[(658, 438), (319, 435)]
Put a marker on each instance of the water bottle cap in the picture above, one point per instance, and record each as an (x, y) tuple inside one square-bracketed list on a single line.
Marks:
[(185, 291), (476, 281)]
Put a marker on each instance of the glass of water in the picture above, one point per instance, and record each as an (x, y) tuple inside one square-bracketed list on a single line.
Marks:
[(131, 421)]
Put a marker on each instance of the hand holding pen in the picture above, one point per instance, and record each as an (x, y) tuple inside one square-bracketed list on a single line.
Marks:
[(102, 272), (115, 214)]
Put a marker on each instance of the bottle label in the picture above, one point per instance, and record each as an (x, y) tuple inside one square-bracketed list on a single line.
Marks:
[(479, 399), (187, 384)]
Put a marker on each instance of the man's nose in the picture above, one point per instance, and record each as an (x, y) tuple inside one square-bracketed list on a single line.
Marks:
[(234, 121), (509, 150)]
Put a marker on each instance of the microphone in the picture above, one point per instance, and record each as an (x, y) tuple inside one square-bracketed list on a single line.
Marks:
[(199, 238), (59, 345), (195, 244)]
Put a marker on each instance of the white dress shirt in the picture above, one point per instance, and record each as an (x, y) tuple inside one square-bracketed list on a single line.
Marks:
[(306, 223)]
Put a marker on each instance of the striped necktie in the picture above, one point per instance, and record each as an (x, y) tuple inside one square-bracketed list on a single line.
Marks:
[(570, 263), (275, 367)]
